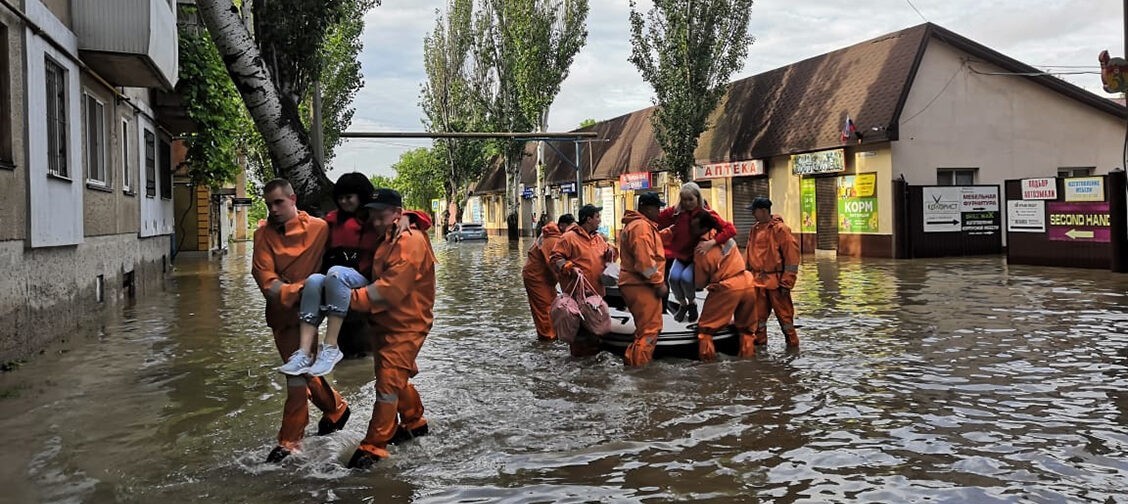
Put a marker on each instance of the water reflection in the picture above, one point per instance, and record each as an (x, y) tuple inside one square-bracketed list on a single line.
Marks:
[(954, 380)]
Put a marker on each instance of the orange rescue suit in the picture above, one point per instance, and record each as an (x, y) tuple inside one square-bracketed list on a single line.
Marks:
[(540, 280), (720, 271), (288, 254), (400, 302), (578, 249), (773, 259), (642, 273)]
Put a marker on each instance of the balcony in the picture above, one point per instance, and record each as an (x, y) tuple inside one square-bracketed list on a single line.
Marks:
[(130, 43)]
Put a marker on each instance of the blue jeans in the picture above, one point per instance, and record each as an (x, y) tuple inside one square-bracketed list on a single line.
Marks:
[(681, 282), (329, 294)]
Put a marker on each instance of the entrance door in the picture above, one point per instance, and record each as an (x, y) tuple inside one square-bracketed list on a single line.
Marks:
[(827, 213)]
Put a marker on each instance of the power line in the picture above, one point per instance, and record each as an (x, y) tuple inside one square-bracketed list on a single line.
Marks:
[(910, 2)]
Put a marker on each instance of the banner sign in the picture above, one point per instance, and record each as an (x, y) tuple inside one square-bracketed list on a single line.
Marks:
[(1084, 189), (634, 181), (857, 213), (1026, 216), (1039, 189), (808, 209), (970, 209), (569, 188), (731, 169), (1079, 222), (819, 162)]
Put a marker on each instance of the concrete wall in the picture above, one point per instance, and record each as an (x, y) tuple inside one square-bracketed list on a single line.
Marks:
[(784, 191), (1008, 127), (50, 292), (56, 203), (13, 179), (59, 8)]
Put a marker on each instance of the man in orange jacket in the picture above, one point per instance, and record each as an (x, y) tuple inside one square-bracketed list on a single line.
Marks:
[(540, 279), (400, 303), (287, 250), (582, 252), (720, 271), (641, 278), (773, 258)]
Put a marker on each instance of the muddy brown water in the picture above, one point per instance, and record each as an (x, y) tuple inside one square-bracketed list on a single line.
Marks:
[(959, 380)]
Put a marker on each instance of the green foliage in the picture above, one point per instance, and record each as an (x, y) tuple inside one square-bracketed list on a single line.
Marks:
[(418, 178), (257, 210), (213, 104), (384, 181), (687, 50), (587, 123)]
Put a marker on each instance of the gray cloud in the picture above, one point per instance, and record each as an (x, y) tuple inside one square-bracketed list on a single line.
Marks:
[(603, 84)]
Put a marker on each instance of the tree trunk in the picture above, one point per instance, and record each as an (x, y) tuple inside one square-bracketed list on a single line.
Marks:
[(278, 122), (542, 126), (513, 197)]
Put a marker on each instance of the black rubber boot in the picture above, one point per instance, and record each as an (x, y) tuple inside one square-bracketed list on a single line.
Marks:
[(325, 427), (692, 317), (362, 460), (403, 435), (278, 454), (681, 313)]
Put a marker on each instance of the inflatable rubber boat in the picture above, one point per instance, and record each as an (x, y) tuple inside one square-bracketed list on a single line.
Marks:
[(677, 339)]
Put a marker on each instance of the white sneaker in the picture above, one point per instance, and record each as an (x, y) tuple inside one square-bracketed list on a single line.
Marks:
[(297, 365), (327, 357)]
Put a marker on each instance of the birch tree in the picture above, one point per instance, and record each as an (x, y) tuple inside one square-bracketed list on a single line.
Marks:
[(687, 50), (530, 46)]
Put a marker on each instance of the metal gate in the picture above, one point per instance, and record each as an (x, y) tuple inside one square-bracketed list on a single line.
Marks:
[(826, 201), (744, 190), (939, 229)]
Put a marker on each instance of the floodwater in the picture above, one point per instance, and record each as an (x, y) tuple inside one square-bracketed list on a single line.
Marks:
[(960, 380)]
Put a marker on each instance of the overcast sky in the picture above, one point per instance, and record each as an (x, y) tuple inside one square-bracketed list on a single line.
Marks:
[(603, 84)]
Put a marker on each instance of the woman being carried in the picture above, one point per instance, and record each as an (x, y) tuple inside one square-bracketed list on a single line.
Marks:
[(681, 244)]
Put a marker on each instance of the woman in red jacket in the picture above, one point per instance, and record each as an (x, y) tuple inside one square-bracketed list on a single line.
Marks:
[(682, 244)]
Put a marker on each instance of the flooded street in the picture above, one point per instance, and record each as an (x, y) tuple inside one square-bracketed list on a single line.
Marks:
[(959, 380)]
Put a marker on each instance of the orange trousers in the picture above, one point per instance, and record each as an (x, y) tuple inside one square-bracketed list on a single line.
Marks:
[(768, 300), (300, 390), (395, 395), (541, 294), (646, 309), (731, 303)]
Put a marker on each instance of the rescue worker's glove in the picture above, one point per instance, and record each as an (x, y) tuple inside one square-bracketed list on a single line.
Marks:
[(705, 349)]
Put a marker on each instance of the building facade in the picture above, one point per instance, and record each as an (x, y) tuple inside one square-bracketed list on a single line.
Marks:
[(839, 141), (85, 163)]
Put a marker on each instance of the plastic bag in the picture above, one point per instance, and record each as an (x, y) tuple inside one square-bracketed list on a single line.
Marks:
[(610, 276), (566, 317)]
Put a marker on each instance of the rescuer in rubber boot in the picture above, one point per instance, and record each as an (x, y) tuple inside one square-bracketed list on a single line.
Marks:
[(773, 258), (583, 252), (641, 278), (400, 303), (720, 271), (540, 279), (287, 250)]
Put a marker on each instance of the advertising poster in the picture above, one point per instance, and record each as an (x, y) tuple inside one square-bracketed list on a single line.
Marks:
[(1079, 222), (1026, 216), (807, 206), (857, 204), (1084, 189)]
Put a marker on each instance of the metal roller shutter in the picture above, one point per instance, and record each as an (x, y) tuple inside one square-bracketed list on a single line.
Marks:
[(827, 209), (744, 190)]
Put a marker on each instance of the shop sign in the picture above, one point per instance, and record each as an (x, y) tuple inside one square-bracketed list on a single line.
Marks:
[(569, 188), (970, 209), (1079, 222), (808, 207), (942, 210), (857, 213), (1039, 189), (528, 193), (634, 181), (731, 169), (819, 162), (1084, 189), (1026, 216)]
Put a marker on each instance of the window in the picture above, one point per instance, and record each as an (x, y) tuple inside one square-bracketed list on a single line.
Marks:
[(166, 170), (1068, 172), (150, 164), (126, 180), (5, 114), (956, 176), (95, 141), (56, 120)]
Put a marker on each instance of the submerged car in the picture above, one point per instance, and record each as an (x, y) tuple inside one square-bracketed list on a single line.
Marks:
[(467, 231)]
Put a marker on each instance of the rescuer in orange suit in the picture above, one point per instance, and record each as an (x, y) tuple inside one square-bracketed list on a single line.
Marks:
[(540, 279), (582, 251), (642, 276), (287, 250), (773, 258), (400, 303), (720, 271)]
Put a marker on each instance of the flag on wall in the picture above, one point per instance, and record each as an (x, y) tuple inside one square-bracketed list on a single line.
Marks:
[(848, 130)]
